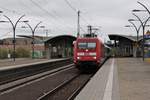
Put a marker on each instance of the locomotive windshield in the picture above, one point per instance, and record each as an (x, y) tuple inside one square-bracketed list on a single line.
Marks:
[(86, 45), (82, 45)]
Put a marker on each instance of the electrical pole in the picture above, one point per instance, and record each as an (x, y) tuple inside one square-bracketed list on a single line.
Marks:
[(90, 30), (46, 32), (78, 24)]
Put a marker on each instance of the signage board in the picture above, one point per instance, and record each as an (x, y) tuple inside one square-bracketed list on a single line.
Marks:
[(147, 45)]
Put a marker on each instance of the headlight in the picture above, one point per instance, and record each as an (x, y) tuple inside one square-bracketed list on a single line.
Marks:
[(80, 54), (78, 57), (94, 57), (92, 53)]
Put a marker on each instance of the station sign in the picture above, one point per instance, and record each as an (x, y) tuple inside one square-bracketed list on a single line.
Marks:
[(147, 45), (147, 36)]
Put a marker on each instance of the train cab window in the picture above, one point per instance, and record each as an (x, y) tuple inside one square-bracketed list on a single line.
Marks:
[(86, 45), (82, 45), (91, 45)]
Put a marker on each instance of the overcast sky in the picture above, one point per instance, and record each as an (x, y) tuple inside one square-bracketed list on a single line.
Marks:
[(61, 18)]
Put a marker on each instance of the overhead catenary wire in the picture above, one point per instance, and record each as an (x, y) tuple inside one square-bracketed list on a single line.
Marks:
[(70, 5), (55, 18), (75, 10), (18, 12), (53, 15), (83, 30), (58, 17), (12, 11), (6, 34), (31, 10), (35, 3), (49, 14)]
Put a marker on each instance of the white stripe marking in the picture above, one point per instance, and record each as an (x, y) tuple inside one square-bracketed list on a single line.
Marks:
[(109, 85)]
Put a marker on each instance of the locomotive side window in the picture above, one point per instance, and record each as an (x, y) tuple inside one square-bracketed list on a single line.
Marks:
[(86, 45)]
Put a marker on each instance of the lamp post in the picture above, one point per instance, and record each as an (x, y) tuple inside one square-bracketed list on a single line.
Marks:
[(137, 32), (33, 32), (143, 24), (45, 30), (14, 25), (144, 7), (78, 24), (1, 12), (136, 29)]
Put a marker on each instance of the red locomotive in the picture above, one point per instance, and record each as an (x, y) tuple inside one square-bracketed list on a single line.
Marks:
[(89, 53)]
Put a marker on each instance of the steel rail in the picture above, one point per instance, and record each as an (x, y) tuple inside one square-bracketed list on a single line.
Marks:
[(78, 90), (30, 79), (46, 95), (11, 75)]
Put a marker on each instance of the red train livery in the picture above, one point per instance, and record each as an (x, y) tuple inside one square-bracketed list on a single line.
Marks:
[(88, 53)]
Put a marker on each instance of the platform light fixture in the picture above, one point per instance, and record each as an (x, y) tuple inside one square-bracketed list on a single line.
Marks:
[(33, 33), (128, 26), (137, 10), (14, 25), (133, 20)]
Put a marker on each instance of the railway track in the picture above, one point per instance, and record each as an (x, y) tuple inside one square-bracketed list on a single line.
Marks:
[(32, 88), (27, 79), (53, 91), (47, 84), (68, 89), (10, 75)]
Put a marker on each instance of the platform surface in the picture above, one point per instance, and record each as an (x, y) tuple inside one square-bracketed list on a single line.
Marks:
[(119, 79), (20, 62), (134, 79)]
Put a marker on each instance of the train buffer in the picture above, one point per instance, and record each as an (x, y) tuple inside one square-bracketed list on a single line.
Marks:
[(119, 79)]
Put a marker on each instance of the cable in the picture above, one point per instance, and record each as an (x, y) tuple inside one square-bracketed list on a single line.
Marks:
[(83, 30), (74, 9), (83, 18), (54, 13), (25, 5), (42, 8), (6, 34), (56, 16), (68, 3), (12, 11), (51, 15)]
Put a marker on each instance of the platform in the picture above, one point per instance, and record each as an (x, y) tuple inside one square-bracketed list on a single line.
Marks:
[(10, 64), (18, 61), (119, 79)]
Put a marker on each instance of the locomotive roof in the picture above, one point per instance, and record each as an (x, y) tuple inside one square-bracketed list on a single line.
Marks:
[(89, 38)]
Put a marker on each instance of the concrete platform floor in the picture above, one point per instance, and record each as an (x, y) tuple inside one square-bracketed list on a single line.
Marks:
[(18, 61), (132, 75), (134, 79)]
